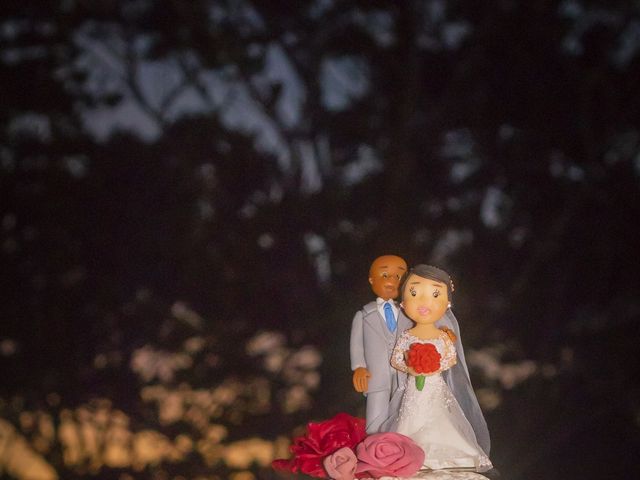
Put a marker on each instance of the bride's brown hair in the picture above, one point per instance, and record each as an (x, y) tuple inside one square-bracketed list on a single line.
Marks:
[(431, 272)]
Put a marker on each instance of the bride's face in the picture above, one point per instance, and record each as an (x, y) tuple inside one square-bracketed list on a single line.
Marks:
[(424, 300)]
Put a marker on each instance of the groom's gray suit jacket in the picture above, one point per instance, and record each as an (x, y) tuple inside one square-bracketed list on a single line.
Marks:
[(371, 347)]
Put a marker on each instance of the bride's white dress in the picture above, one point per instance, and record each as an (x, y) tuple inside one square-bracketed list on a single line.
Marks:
[(432, 417)]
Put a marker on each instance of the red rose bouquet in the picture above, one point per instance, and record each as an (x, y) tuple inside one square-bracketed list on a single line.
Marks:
[(423, 358)]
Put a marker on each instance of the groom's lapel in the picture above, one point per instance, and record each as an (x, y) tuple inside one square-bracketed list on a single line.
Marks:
[(375, 320), (404, 322)]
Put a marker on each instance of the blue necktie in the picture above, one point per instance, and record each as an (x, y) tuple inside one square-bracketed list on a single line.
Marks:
[(388, 316)]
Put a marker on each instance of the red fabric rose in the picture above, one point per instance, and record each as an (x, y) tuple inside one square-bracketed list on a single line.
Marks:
[(391, 454), (322, 439), (423, 358)]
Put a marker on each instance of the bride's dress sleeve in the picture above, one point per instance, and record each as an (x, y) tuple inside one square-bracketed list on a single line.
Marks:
[(397, 357), (449, 359)]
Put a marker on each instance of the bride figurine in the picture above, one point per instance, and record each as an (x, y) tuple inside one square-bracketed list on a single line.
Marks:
[(440, 411)]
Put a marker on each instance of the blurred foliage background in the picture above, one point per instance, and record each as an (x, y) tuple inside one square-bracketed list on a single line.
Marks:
[(191, 193)]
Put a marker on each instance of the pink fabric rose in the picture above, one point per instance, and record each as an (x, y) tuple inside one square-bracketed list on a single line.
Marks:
[(341, 464), (389, 454)]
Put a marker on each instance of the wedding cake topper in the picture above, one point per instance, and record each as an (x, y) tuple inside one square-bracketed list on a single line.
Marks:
[(423, 418)]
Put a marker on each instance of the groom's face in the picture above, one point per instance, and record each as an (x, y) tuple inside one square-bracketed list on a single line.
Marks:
[(385, 274)]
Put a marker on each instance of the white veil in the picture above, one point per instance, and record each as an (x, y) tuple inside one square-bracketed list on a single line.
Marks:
[(457, 377)]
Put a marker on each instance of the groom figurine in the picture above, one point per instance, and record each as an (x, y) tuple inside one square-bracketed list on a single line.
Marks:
[(374, 331)]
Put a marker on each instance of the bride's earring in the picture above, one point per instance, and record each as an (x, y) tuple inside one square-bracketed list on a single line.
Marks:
[(449, 306)]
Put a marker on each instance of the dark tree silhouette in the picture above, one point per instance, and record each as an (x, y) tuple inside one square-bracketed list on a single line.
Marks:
[(209, 170)]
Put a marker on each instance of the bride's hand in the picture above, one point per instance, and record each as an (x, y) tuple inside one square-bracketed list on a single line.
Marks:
[(411, 371)]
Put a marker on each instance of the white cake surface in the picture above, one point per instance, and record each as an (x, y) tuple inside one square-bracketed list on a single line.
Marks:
[(440, 475)]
